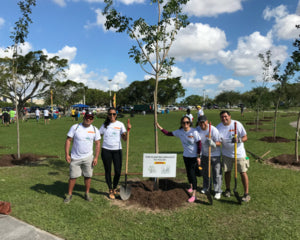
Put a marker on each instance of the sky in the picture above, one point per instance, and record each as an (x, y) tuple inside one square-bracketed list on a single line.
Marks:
[(218, 50)]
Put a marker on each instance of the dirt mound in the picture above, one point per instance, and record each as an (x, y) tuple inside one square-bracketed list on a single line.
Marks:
[(259, 130), (10, 160), (287, 160), (276, 140), (253, 123), (170, 195)]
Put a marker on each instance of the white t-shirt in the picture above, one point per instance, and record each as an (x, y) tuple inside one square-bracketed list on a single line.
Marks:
[(190, 117), (200, 113), (83, 139), (215, 136), (226, 134), (112, 135), (189, 141), (37, 112), (46, 113)]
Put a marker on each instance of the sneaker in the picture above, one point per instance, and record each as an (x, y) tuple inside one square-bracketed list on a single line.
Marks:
[(246, 198), (111, 194), (115, 191), (192, 199), (217, 196), (68, 198), (87, 197), (190, 190), (227, 193), (203, 190)]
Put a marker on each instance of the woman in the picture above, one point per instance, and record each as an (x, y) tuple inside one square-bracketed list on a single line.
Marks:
[(191, 143), (112, 131)]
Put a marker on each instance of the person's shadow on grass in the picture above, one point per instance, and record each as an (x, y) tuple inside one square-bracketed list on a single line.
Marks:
[(60, 189)]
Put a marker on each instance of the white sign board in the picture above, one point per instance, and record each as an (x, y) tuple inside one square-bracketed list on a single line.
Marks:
[(159, 165)]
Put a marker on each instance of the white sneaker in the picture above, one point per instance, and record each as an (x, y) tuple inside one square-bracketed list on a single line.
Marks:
[(203, 190), (217, 196)]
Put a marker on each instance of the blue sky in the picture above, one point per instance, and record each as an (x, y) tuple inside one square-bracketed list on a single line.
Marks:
[(216, 52)]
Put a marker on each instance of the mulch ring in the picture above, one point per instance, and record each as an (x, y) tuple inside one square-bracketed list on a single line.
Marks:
[(170, 195), (10, 160), (285, 161), (276, 140), (253, 123)]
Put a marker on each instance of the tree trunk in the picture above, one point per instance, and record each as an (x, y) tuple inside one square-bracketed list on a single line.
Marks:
[(297, 138), (275, 119)]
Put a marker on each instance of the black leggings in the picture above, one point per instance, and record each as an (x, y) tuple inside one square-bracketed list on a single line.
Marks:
[(190, 164), (109, 156)]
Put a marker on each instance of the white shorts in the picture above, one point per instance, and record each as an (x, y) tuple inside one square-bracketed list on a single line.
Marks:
[(82, 166)]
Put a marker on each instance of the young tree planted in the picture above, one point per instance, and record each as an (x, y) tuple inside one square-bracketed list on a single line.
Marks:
[(152, 41)]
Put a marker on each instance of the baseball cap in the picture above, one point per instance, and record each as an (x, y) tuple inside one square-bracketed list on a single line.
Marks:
[(198, 106), (89, 114), (202, 118)]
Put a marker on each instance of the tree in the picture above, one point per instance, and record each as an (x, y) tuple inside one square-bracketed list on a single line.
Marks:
[(18, 36), (192, 100), (228, 97), (97, 97), (151, 40), (35, 73)]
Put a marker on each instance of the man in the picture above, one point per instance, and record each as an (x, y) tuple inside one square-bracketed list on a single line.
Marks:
[(214, 143), (6, 118), (82, 160), (200, 112), (46, 116), (37, 114), (12, 114), (226, 129)]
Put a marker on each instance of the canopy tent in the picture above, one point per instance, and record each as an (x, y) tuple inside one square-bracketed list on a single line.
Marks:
[(80, 106)]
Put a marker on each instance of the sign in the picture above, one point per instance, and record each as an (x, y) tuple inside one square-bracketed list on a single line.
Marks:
[(159, 165)]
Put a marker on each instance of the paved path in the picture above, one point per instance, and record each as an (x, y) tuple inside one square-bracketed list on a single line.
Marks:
[(14, 229), (293, 124)]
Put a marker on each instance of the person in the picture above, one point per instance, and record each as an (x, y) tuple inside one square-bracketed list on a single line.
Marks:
[(191, 143), (37, 114), (200, 111), (214, 143), (188, 113), (77, 114), (46, 116), (6, 118), (81, 159), (112, 131), (73, 114), (12, 114), (242, 109), (226, 130)]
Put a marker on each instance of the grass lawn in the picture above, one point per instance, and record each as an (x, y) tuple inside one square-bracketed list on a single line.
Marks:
[(37, 192)]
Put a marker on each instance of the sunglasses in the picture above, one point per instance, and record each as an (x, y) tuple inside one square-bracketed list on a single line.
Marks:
[(185, 123), (112, 114), (89, 117)]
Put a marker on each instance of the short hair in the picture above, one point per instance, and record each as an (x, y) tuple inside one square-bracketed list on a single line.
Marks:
[(225, 111)]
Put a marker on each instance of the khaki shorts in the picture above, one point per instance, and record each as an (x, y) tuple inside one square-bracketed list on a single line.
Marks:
[(242, 164), (82, 166)]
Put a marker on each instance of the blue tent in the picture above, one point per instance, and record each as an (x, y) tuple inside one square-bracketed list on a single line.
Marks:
[(80, 106)]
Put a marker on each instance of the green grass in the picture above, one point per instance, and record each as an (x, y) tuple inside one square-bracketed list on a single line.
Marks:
[(37, 192)]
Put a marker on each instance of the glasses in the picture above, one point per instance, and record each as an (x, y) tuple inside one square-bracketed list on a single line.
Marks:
[(89, 118), (185, 123), (112, 114)]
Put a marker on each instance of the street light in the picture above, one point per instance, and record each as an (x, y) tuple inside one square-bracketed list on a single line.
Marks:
[(109, 92)]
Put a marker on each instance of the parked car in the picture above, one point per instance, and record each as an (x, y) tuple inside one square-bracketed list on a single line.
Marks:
[(172, 108)]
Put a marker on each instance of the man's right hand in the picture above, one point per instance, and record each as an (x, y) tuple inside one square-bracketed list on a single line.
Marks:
[(68, 158)]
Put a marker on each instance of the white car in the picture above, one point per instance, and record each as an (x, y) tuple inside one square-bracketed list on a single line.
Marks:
[(172, 108)]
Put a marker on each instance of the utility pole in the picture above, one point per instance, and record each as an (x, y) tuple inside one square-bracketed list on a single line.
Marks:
[(109, 81)]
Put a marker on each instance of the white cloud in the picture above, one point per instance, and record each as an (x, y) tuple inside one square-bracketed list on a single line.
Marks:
[(100, 20), (244, 60), (284, 27), (61, 3), (128, 2), (22, 50), (119, 81), (2, 21), (230, 85), (199, 42), (67, 52), (211, 7)]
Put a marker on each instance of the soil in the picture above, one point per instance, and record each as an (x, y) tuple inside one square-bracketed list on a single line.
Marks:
[(10, 160), (253, 123), (285, 161), (276, 140), (170, 194)]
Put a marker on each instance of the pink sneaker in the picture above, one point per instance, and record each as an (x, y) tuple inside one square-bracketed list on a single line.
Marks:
[(190, 190), (192, 199)]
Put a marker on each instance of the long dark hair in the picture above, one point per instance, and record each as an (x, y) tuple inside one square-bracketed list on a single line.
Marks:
[(107, 120), (181, 120)]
